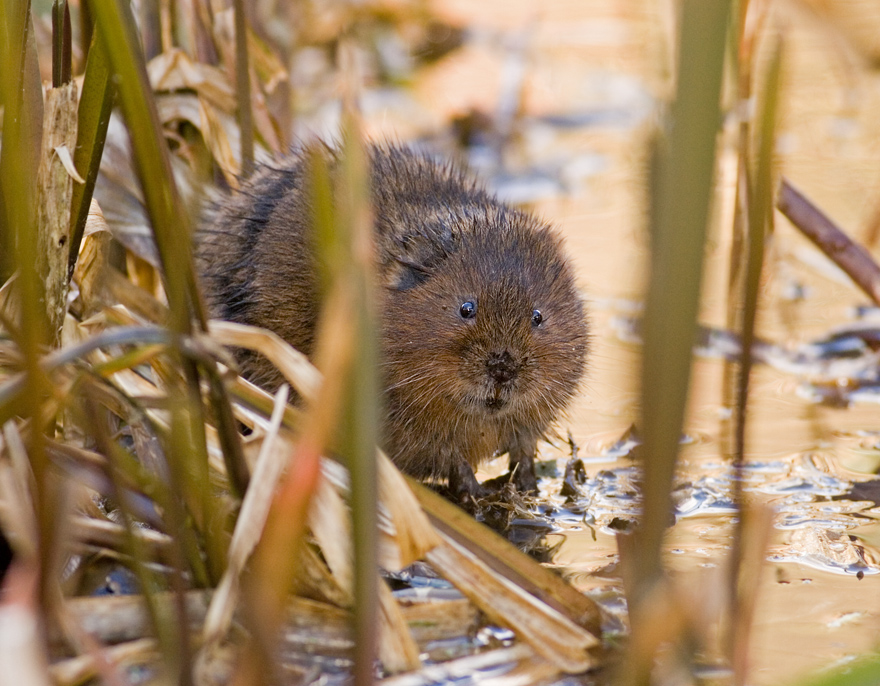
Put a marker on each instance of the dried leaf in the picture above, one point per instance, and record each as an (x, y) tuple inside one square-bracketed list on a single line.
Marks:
[(63, 153), (17, 515), (93, 261), (330, 524), (173, 70), (413, 534), (295, 366), (222, 137), (263, 121)]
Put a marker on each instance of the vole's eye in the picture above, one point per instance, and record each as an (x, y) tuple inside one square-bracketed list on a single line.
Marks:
[(468, 309), (537, 317)]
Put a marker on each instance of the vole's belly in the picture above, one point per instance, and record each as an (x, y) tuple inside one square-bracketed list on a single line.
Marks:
[(427, 446)]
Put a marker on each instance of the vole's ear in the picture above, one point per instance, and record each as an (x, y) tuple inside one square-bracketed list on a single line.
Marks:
[(405, 274)]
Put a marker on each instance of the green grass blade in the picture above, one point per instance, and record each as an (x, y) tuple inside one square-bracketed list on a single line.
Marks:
[(172, 232), (759, 204), (173, 235), (62, 43), (680, 210), (95, 106), (360, 420), (172, 633), (22, 98), (227, 432), (681, 196), (760, 225)]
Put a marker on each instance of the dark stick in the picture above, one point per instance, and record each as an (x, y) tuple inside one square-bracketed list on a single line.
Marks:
[(846, 254), (243, 90)]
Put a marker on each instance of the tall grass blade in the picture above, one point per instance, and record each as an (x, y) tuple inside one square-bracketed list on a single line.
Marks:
[(22, 134), (360, 418), (274, 564), (173, 636), (86, 25), (742, 50), (22, 99), (173, 236), (172, 232), (95, 106), (243, 89), (760, 227), (681, 195), (62, 43)]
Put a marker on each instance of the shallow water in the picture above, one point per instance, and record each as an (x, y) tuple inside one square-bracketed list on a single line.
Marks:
[(588, 77)]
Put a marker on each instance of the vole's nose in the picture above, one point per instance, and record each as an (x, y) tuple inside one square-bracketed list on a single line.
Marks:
[(502, 367)]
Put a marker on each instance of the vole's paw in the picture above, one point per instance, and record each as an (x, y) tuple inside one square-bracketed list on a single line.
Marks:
[(463, 485), (525, 481)]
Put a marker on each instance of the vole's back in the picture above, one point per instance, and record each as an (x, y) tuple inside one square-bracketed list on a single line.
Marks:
[(483, 333), (256, 264), (255, 250)]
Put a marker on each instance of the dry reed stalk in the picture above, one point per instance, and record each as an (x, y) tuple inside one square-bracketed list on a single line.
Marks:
[(498, 553), (411, 530), (397, 648), (548, 632), (54, 192), (121, 618), (330, 524), (100, 533), (756, 530), (80, 669), (296, 368)]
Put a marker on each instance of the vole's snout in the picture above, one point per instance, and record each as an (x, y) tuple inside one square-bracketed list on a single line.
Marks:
[(502, 367)]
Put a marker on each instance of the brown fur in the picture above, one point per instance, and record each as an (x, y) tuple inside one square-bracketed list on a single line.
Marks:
[(457, 389)]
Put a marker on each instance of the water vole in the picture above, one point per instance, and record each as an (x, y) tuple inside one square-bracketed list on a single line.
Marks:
[(483, 335)]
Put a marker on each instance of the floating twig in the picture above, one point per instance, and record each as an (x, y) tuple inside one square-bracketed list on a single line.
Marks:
[(840, 248)]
